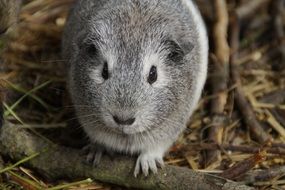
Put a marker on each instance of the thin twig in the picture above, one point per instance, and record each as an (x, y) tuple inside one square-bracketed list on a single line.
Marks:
[(220, 77), (244, 166), (245, 109)]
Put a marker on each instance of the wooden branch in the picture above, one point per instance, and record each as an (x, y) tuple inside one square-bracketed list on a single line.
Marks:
[(264, 175), (56, 162), (220, 77), (278, 150), (245, 109)]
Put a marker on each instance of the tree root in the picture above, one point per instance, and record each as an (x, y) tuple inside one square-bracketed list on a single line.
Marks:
[(56, 162)]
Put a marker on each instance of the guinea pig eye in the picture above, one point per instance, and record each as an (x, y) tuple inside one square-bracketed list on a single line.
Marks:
[(105, 72), (91, 50), (152, 77)]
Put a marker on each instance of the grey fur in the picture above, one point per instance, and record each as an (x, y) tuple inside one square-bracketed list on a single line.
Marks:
[(132, 35)]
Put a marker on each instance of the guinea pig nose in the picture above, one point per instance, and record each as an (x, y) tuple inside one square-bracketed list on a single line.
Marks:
[(121, 121)]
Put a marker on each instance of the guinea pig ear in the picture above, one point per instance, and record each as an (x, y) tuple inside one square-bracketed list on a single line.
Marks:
[(87, 45), (186, 46), (79, 40), (178, 50)]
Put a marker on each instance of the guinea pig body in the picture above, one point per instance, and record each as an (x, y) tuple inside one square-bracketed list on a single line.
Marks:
[(136, 69)]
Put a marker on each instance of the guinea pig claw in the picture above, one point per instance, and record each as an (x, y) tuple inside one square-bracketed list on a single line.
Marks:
[(160, 163), (137, 170), (93, 154), (147, 162), (97, 158)]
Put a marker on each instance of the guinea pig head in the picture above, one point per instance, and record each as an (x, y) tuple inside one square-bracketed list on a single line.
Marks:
[(131, 72)]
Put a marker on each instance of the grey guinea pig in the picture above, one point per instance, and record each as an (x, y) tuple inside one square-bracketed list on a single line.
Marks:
[(136, 70)]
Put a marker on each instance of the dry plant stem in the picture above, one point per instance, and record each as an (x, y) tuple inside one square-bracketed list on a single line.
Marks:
[(56, 162), (246, 110), (242, 167), (49, 15), (276, 97), (33, 7), (249, 9), (279, 117), (220, 77)]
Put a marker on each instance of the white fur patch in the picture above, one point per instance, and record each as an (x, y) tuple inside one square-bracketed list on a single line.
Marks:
[(110, 58), (96, 75), (154, 59)]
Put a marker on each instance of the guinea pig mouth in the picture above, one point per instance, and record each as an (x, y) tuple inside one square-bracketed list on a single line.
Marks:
[(126, 129), (133, 129)]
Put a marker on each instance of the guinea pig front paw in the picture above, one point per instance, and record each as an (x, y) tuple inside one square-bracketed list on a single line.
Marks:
[(93, 153), (146, 162)]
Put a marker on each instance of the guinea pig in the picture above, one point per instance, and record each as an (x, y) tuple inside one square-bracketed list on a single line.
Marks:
[(136, 70)]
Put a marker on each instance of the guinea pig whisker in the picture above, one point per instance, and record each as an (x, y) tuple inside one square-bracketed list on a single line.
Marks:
[(74, 107), (83, 106), (79, 117), (53, 60), (86, 116), (90, 123), (170, 122)]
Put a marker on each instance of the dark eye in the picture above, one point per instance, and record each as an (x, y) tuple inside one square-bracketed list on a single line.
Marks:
[(91, 50), (105, 72), (152, 77)]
